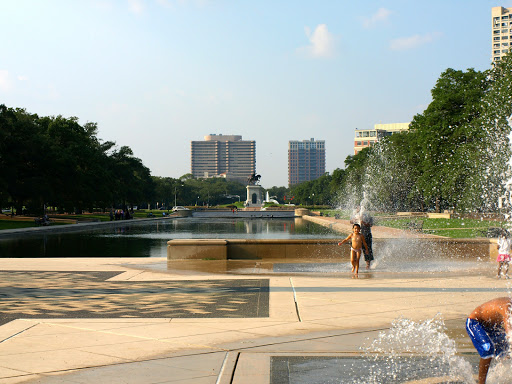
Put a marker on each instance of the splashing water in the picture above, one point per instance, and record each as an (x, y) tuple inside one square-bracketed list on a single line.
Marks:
[(415, 351)]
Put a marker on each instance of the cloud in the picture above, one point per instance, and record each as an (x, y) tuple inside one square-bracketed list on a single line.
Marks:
[(22, 78), (5, 83), (382, 15), (412, 42), (322, 42), (136, 6)]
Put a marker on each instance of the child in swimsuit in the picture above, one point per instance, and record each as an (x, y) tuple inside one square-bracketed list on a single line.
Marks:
[(504, 244), (356, 247), (488, 327)]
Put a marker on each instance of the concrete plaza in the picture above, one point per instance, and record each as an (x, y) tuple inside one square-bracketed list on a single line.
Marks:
[(147, 320)]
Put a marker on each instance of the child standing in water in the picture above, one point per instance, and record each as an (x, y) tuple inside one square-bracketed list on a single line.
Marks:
[(504, 244), (356, 247)]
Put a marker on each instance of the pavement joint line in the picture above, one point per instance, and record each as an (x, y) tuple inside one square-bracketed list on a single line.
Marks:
[(20, 332), (295, 300), (228, 361), (169, 340), (140, 273)]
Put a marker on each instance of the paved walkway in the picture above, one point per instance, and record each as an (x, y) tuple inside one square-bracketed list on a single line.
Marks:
[(140, 320)]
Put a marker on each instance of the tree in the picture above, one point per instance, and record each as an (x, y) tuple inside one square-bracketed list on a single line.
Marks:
[(442, 129)]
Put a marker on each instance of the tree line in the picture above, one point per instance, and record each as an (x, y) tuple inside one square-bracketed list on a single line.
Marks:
[(55, 161), (455, 156), (48, 161)]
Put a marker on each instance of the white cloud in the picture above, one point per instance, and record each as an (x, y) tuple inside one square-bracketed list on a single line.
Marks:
[(322, 42), (382, 15), (136, 6), (22, 78), (412, 42), (5, 83)]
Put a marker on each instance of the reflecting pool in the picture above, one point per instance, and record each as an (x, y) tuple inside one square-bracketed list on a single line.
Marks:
[(149, 238)]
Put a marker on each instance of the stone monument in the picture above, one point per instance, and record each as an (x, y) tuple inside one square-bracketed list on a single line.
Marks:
[(254, 192)]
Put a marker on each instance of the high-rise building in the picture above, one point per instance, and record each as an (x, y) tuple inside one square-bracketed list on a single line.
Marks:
[(501, 32), (223, 156), (306, 160), (368, 137)]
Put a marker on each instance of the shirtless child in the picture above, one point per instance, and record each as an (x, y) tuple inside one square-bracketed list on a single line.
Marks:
[(356, 247), (488, 327)]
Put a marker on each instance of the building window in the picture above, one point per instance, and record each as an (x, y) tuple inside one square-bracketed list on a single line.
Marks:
[(366, 134), (504, 37), (358, 134), (373, 133), (358, 143), (497, 32), (496, 39)]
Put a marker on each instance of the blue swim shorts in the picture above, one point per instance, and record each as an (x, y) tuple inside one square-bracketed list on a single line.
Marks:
[(488, 342)]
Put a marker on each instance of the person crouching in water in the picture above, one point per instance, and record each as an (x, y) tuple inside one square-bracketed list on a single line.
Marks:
[(504, 244), (356, 247), (488, 327)]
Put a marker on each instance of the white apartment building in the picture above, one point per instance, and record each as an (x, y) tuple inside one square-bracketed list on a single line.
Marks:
[(501, 32), (368, 137)]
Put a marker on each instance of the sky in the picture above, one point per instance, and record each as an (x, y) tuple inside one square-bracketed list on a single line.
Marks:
[(158, 74)]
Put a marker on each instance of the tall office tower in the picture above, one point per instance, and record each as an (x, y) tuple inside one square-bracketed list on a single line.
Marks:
[(501, 32), (306, 160), (223, 156)]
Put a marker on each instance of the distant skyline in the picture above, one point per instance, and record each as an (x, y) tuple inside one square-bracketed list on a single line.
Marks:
[(158, 74)]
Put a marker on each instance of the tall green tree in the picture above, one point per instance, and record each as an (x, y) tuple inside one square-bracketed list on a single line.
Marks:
[(442, 129)]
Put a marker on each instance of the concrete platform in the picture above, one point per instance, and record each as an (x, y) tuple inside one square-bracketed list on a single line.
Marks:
[(85, 320)]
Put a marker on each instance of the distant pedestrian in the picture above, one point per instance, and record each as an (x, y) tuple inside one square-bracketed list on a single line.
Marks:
[(111, 214), (503, 259)]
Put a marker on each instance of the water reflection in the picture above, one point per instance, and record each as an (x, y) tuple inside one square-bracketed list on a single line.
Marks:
[(149, 239)]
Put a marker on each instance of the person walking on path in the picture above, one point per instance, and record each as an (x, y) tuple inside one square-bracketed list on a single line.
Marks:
[(365, 220), (488, 326)]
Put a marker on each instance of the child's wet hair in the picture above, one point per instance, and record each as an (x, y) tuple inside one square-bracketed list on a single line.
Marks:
[(356, 225)]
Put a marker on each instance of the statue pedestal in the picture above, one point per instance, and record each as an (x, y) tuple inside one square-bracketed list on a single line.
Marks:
[(254, 196)]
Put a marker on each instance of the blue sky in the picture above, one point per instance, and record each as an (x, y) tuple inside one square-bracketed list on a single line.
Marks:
[(157, 74)]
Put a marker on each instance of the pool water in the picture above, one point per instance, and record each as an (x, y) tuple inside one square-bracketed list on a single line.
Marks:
[(149, 239)]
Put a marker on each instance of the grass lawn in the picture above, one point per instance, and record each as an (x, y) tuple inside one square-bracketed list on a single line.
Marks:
[(11, 224), (454, 228)]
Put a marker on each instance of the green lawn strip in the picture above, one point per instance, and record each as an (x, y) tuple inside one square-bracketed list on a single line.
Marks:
[(88, 217), (455, 228), (15, 224), (12, 224)]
